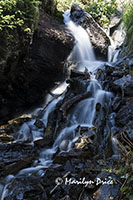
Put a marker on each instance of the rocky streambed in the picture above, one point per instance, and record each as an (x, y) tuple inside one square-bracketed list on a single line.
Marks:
[(58, 153), (97, 149)]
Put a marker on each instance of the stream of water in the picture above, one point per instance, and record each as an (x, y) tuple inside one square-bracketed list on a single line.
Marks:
[(84, 112), (118, 39)]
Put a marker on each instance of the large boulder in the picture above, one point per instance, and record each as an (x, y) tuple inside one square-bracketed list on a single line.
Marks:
[(98, 37), (25, 79)]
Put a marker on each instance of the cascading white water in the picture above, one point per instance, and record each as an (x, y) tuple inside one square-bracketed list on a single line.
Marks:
[(84, 111), (116, 41), (49, 109), (83, 53)]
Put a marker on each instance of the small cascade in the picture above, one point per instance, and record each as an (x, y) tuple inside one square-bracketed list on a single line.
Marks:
[(83, 112), (49, 109), (116, 40), (82, 53)]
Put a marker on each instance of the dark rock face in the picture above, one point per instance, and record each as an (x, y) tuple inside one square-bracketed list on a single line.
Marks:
[(117, 79), (90, 153), (36, 68), (98, 37), (15, 157), (74, 171), (108, 190)]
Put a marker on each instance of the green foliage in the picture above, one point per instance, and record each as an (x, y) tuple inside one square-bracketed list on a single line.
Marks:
[(124, 169), (18, 19), (128, 22), (101, 10), (66, 4), (126, 174), (17, 14)]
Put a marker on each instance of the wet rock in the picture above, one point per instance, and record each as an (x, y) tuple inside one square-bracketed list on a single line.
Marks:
[(66, 198), (124, 84), (64, 145), (116, 77), (77, 12), (98, 37), (39, 124), (118, 74), (14, 157), (110, 186), (124, 115), (83, 142), (100, 76), (44, 143), (63, 188), (4, 138), (126, 135), (88, 132), (109, 68), (77, 86), (81, 75), (68, 167), (12, 130), (74, 153), (129, 130), (47, 139), (26, 188), (116, 103)]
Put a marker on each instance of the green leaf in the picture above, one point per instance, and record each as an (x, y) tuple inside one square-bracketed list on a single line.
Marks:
[(131, 197)]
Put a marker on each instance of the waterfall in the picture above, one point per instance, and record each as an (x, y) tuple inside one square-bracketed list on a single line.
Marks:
[(84, 57), (84, 112), (83, 52)]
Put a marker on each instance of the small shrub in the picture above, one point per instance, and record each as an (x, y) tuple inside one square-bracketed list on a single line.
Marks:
[(128, 22), (17, 13), (18, 19), (102, 10), (66, 4)]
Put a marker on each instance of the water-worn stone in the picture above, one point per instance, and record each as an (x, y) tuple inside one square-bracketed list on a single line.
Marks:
[(26, 188), (128, 129), (117, 103), (4, 138), (14, 157), (39, 124), (124, 115), (110, 187), (98, 37), (124, 84), (44, 143), (11, 131)]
